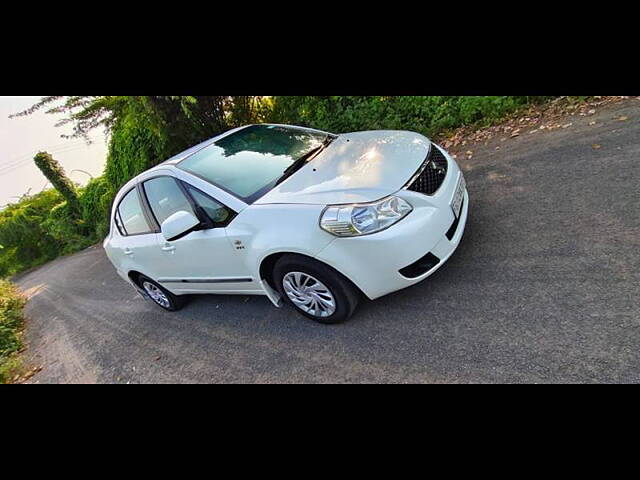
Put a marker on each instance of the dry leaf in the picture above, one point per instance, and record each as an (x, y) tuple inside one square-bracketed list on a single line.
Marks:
[(595, 146), (623, 118), (567, 125)]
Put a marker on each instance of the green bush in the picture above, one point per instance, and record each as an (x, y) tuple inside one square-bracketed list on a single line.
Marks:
[(40, 228), (11, 320), (24, 236), (70, 232), (95, 204), (429, 115)]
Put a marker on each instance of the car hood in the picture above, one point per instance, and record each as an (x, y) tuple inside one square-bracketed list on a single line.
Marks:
[(355, 168)]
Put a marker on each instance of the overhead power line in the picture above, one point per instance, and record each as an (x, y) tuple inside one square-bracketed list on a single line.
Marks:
[(58, 148), (9, 167)]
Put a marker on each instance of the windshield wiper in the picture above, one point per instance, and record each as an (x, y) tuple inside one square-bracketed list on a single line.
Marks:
[(298, 164)]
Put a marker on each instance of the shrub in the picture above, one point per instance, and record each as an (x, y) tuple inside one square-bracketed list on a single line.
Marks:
[(11, 320), (70, 232), (95, 204), (429, 115), (40, 228), (24, 236)]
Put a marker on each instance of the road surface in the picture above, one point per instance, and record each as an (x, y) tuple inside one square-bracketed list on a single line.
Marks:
[(543, 288)]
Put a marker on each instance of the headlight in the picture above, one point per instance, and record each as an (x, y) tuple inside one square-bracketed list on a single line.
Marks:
[(364, 218)]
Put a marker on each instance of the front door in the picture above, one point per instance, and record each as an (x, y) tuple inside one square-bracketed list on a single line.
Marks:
[(204, 260)]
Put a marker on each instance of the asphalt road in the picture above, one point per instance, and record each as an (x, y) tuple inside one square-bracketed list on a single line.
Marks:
[(543, 288)]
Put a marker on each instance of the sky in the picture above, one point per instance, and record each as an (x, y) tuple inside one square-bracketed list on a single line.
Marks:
[(21, 138)]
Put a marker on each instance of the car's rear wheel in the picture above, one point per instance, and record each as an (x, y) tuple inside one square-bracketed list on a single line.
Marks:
[(314, 289), (160, 295)]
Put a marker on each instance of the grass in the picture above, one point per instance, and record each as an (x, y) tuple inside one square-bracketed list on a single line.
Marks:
[(11, 324)]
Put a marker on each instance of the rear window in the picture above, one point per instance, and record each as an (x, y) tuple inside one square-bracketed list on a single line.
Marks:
[(130, 218), (249, 162)]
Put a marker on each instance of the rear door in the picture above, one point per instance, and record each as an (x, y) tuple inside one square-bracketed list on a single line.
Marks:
[(204, 261), (134, 244)]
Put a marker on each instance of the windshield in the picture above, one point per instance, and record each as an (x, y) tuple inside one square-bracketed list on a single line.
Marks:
[(249, 162)]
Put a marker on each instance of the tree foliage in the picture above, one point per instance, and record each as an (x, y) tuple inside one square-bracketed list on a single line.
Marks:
[(145, 130), (427, 115), (54, 172), (23, 235), (84, 112), (185, 117)]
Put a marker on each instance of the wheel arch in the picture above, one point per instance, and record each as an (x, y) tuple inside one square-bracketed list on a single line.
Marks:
[(134, 276), (268, 263)]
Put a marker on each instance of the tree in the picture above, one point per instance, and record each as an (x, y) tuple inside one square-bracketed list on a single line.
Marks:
[(184, 116), (84, 112), (54, 172), (146, 130)]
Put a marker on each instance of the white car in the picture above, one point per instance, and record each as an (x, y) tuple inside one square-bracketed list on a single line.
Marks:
[(292, 213)]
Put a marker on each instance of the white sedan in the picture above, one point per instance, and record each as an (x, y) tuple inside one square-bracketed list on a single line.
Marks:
[(296, 214)]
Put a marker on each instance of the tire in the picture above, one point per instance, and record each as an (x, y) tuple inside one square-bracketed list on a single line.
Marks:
[(308, 281), (167, 300)]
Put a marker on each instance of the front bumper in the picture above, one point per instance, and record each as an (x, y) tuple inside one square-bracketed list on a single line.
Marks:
[(373, 262)]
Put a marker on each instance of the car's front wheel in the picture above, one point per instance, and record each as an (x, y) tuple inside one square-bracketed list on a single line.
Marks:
[(314, 289), (160, 295)]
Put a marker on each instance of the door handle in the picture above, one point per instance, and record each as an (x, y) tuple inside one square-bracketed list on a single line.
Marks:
[(128, 251), (168, 248)]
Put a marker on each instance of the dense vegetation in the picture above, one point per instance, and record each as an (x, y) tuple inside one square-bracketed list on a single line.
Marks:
[(427, 115), (11, 304), (40, 227), (144, 131)]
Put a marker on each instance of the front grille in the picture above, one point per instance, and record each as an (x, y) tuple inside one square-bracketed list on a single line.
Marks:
[(432, 174)]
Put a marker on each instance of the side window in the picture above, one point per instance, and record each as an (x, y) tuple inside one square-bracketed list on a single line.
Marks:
[(166, 198), (130, 217), (217, 213)]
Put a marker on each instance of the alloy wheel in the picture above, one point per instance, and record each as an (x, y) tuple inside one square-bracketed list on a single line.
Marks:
[(309, 294), (156, 294)]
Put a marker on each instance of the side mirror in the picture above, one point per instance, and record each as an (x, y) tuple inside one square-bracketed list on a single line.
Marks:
[(178, 225)]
